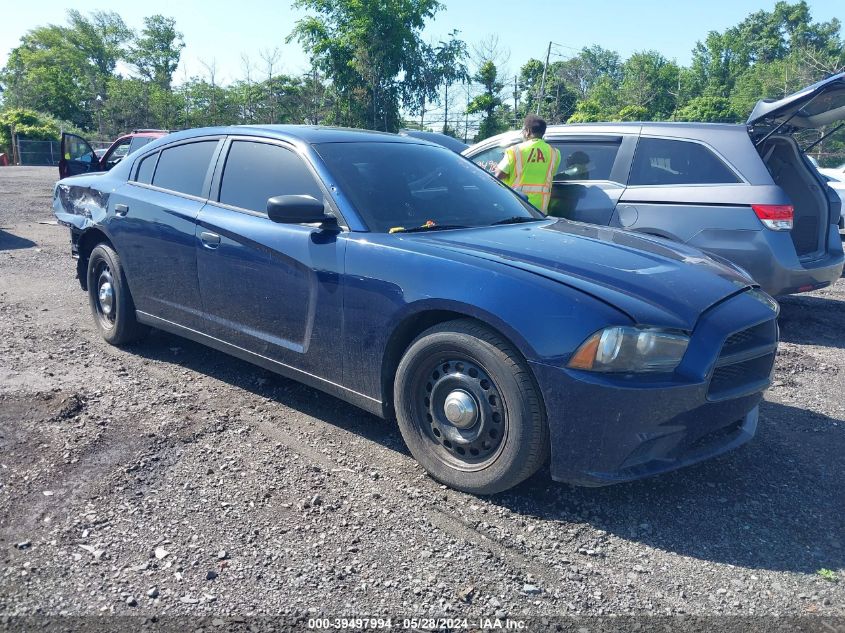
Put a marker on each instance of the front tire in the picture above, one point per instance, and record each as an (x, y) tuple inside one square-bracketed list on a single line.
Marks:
[(468, 408), (109, 298)]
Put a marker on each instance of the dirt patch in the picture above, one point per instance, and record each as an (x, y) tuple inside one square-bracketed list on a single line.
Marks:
[(184, 481)]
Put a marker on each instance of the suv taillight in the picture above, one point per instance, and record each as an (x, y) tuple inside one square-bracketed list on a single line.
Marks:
[(777, 217)]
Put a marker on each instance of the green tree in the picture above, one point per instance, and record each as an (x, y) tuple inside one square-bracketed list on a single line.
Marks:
[(590, 65), (64, 70), (31, 125), (438, 66), (155, 53), (649, 82), (364, 46), (559, 99), (489, 102), (708, 109), (602, 103)]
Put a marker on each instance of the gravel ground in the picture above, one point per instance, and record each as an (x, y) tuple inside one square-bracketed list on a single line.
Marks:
[(167, 478)]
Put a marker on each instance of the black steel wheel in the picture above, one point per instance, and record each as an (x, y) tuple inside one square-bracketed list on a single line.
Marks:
[(468, 408), (109, 297)]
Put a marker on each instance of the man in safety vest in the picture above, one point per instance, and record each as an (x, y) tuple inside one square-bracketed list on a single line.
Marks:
[(530, 166)]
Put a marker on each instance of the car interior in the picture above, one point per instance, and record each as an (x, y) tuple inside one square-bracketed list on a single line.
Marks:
[(790, 171)]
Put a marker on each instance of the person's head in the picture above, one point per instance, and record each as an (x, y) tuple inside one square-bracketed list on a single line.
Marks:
[(578, 158), (533, 127)]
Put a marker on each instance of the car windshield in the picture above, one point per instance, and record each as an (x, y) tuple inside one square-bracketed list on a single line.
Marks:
[(405, 186)]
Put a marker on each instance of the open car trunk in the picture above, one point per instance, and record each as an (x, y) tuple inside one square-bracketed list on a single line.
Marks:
[(794, 174), (771, 126)]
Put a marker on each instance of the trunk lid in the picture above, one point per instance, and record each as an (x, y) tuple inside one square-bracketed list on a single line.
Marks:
[(815, 106)]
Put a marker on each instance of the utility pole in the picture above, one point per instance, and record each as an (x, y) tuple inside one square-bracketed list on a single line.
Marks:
[(14, 149), (446, 114), (543, 81), (515, 102)]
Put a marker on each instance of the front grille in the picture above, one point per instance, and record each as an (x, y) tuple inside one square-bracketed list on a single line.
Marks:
[(745, 363), (757, 336)]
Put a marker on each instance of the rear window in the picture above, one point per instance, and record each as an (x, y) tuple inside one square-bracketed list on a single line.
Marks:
[(145, 170), (183, 168), (138, 142), (255, 172), (660, 161), (585, 160)]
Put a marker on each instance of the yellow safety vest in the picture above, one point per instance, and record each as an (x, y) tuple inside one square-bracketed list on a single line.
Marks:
[(533, 166)]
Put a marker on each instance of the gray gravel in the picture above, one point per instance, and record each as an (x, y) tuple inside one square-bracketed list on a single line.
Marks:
[(167, 478)]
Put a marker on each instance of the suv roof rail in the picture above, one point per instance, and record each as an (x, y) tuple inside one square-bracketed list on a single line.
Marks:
[(149, 130)]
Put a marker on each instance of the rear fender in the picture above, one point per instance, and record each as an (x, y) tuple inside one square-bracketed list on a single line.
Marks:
[(78, 206)]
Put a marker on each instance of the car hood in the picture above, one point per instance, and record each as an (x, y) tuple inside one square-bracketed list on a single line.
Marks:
[(821, 104), (654, 281)]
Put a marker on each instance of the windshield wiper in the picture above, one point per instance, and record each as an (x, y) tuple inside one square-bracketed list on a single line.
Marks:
[(427, 227), (517, 219)]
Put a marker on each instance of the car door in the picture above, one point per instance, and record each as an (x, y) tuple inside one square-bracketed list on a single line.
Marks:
[(680, 189), (115, 153), (152, 222), (272, 289), (77, 156), (592, 175)]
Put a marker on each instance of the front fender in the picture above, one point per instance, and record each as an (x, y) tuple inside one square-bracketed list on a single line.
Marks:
[(385, 285)]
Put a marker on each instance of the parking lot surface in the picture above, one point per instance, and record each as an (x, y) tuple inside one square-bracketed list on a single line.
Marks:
[(168, 478)]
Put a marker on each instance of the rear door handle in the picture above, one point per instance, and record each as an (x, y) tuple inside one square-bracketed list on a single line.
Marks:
[(121, 209), (210, 240)]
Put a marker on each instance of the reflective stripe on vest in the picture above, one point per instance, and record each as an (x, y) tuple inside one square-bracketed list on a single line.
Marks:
[(534, 163)]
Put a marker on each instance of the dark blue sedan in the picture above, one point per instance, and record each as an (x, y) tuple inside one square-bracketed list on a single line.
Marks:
[(398, 276)]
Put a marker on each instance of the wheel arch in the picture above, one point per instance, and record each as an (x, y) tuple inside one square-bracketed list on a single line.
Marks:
[(85, 243), (414, 324)]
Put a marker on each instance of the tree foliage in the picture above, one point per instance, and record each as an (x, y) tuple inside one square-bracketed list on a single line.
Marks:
[(364, 46), (371, 68)]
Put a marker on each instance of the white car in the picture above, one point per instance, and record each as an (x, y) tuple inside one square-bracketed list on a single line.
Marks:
[(836, 181), (834, 172)]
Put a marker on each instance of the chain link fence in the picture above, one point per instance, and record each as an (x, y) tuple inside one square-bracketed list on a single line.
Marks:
[(46, 153)]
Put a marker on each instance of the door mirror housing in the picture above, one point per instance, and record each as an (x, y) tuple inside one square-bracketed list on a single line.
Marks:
[(297, 210)]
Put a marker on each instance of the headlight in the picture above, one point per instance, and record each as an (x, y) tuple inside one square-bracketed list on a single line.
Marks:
[(631, 349)]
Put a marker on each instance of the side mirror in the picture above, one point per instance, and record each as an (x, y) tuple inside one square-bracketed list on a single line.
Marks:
[(297, 210)]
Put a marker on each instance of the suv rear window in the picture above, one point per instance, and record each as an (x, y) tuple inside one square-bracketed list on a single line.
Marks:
[(660, 161), (183, 168)]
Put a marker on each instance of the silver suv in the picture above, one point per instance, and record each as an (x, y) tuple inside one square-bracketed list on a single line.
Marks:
[(744, 192)]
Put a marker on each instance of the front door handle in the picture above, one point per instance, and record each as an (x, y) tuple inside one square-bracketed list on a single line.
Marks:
[(210, 240), (121, 209)]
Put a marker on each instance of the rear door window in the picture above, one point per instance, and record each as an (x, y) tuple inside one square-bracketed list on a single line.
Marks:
[(145, 169), (255, 172), (585, 160), (183, 168), (660, 161)]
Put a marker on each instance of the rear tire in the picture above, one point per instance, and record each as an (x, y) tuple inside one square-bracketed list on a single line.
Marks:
[(468, 408), (109, 297)]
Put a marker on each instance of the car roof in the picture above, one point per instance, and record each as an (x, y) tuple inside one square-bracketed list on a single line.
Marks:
[(449, 142), (308, 134)]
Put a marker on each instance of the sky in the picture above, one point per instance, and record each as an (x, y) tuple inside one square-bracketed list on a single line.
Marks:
[(215, 33)]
